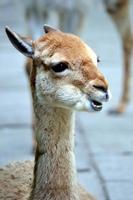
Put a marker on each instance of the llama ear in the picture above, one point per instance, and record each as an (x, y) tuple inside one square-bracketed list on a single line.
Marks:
[(48, 29), (24, 45)]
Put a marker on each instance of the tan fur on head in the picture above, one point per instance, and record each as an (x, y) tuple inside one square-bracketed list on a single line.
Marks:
[(73, 87), (64, 72)]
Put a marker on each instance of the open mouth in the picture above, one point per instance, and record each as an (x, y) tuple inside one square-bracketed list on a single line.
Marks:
[(97, 106)]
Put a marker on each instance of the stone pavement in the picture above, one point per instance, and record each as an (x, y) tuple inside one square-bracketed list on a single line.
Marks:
[(104, 144)]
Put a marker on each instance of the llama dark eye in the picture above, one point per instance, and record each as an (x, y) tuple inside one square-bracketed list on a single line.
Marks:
[(59, 67), (98, 59)]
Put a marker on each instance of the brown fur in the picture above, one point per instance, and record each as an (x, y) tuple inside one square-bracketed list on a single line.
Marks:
[(16, 180)]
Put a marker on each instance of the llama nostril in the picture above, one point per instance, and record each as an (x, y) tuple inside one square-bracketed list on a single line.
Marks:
[(101, 88), (107, 95)]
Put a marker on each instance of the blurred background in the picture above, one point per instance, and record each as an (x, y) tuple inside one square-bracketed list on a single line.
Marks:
[(104, 142)]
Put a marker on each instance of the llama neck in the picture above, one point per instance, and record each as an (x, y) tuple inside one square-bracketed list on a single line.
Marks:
[(55, 171)]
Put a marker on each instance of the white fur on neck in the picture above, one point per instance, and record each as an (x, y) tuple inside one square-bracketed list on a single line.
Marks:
[(56, 170)]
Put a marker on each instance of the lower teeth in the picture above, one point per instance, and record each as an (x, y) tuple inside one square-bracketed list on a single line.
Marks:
[(96, 107)]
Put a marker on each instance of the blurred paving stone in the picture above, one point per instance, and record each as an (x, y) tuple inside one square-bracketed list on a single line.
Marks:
[(91, 183), (15, 144), (12, 70), (15, 107), (83, 164), (115, 168), (110, 142), (113, 143), (120, 190), (103, 123), (11, 14)]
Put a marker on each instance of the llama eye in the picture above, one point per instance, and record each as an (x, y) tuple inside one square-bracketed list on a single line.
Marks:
[(60, 67)]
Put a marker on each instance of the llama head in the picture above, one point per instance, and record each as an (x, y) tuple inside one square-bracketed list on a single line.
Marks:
[(64, 72)]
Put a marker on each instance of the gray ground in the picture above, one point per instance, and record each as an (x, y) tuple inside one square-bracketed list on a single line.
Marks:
[(104, 144)]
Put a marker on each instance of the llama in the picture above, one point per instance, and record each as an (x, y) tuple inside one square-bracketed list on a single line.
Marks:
[(120, 14), (64, 78), (71, 19)]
